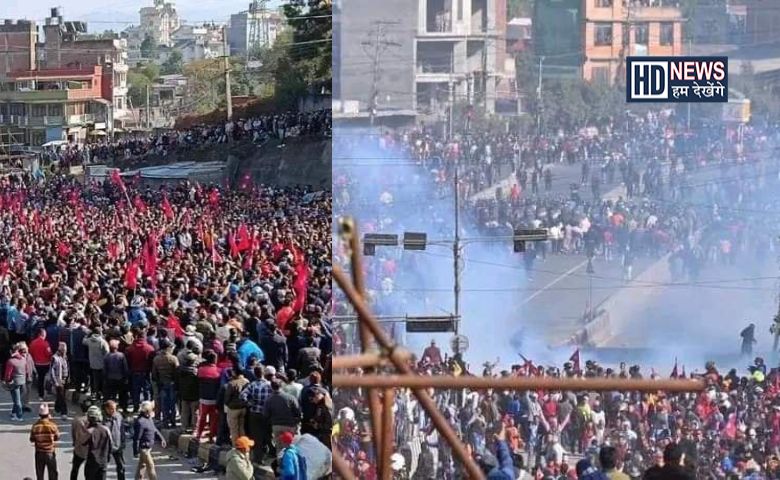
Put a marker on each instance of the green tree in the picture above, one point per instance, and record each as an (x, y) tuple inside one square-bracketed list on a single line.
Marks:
[(206, 84), (150, 71), (173, 64), (148, 47), (310, 51), (136, 90)]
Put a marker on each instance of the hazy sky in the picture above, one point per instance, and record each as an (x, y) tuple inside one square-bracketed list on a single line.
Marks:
[(103, 14)]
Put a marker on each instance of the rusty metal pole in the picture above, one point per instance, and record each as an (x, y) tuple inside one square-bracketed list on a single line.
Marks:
[(364, 360), (517, 383), (340, 466), (426, 402), (388, 399), (349, 228)]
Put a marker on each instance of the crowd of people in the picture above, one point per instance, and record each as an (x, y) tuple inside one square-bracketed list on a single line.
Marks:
[(131, 150), (185, 306), (702, 196), (730, 430)]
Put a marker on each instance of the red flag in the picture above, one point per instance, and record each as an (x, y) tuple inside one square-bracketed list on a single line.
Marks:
[(117, 180), (63, 249), (233, 246), (301, 286), (131, 274), (575, 360), (150, 256), (214, 198), (166, 208), (139, 204), (675, 373), (243, 239), (113, 251), (175, 325)]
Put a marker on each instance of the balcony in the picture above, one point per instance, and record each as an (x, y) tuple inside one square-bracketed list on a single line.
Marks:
[(28, 121), (34, 96), (81, 119)]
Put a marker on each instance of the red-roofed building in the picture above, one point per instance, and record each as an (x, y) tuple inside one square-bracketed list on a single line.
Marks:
[(55, 104)]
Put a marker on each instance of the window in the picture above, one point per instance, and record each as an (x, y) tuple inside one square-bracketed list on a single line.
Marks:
[(603, 34), (641, 33), (16, 109), (39, 110), (603, 3), (667, 33), (55, 110)]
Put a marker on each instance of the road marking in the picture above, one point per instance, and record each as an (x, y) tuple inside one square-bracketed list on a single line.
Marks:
[(564, 275)]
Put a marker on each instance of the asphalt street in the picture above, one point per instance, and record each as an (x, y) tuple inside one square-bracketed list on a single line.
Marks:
[(17, 453)]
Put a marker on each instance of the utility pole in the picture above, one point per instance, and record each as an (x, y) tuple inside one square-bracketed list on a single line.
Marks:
[(539, 105), (148, 109), (374, 47), (451, 119), (228, 95), (456, 249)]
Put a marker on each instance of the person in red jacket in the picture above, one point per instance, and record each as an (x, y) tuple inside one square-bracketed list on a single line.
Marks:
[(139, 360), (208, 388), (40, 351)]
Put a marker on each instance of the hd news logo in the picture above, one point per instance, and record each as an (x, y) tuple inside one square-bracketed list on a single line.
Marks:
[(677, 79)]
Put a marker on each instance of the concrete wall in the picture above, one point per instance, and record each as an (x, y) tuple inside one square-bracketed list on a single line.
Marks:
[(17, 46)]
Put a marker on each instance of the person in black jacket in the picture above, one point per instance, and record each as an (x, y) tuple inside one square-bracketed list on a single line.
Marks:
[(673, 466), (273, 344), (100, 445)]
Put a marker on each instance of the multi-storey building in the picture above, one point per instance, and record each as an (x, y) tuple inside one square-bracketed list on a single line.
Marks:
[(48, 74), (55, 104), (159, 22), (419, 56), (253, 27), (460, 52), (199, 42), (593, 37), (16, 36)]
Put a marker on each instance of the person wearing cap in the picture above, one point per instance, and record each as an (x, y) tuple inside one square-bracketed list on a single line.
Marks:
[(99, 445), (292, 465), (238, 465), (164, 368), (254, 396), (144, 435), (44, 434)]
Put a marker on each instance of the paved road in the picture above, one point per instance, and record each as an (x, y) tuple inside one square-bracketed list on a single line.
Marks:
[(16, 453)]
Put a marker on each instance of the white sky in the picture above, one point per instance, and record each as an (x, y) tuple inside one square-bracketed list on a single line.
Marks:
[(117, 14)]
